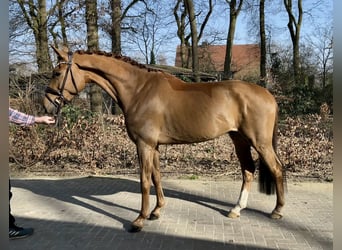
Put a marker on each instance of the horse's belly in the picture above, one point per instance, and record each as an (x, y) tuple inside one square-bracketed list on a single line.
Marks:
[(196, 130)]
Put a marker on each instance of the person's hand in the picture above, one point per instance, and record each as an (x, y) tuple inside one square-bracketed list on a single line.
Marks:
[(45, 119)]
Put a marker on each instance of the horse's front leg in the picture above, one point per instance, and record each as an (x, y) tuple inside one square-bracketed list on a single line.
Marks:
[(156, 178), (145, 156)]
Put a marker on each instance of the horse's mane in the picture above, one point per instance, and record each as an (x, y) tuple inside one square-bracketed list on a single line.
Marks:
[(119, 57)]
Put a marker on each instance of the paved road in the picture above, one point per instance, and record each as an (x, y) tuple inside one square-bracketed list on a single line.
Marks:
[(95, 213)]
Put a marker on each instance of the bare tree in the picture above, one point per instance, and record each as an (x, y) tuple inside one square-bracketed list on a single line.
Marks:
[(147, 36), (234, 10), (36, 16), (321, 40), (119, 21), (263, 59), (294, 26), (255, 13), (116, 16), (153, 30), (96, 98), (189, 5), (187, 12), (181, 32), (58, 25), (92, 28)]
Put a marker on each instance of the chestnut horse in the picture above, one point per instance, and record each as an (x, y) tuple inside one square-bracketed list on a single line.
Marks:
[(162, 109)]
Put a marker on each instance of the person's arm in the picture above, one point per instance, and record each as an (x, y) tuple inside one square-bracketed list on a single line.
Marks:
[(20, 118), (23, 119)]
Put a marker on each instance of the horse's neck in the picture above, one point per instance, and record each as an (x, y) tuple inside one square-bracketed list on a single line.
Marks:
[(117, 78)]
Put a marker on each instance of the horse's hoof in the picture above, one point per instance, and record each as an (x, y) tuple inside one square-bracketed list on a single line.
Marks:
[(276, 215), (233, 215), (134, 229), (153, 217)]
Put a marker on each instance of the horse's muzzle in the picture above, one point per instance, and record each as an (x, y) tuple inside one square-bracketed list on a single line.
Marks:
[(50, 107)]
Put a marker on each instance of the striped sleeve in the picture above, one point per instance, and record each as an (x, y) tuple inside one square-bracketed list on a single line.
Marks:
[(20, 118)]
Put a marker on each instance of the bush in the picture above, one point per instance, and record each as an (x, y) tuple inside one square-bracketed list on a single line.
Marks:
[(303, 100), (89, 144), (306, 146)]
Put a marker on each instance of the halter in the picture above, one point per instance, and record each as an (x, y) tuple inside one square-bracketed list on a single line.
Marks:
[(60, 99)]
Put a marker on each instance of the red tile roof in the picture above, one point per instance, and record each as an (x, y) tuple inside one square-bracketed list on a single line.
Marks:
[(211, 57)]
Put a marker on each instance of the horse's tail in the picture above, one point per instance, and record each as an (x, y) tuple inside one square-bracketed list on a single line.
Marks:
[(266, 180)]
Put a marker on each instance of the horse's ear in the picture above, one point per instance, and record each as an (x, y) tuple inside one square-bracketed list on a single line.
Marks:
[(62, 55), (65, 49)]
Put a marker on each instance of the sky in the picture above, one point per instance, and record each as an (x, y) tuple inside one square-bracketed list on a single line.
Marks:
[(315, 15)]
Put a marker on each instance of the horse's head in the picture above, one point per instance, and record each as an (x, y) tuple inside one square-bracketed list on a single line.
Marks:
[(67, 81)]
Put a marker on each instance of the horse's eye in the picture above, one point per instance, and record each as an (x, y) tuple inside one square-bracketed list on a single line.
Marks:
[(56, 74)]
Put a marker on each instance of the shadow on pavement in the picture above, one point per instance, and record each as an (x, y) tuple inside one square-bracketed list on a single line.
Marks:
[(68, 235), (66, 189), (54, 235)]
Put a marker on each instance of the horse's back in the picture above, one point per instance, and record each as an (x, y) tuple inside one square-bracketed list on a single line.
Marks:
[(230, 95), (246, 89), (202, 111)]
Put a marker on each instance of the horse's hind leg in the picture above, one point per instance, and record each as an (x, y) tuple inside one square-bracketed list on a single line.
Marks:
[(156, 179), (243, 152), (270, 163)]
